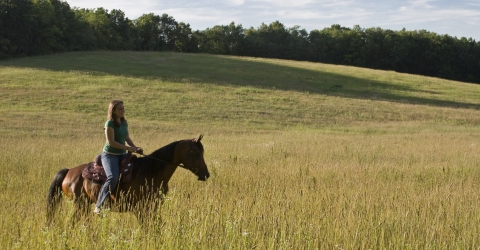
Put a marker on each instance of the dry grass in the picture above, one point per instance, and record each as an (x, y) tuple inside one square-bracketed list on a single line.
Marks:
[(304, 165)]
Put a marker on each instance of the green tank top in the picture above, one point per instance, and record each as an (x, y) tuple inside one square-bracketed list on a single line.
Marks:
[(120, 133)]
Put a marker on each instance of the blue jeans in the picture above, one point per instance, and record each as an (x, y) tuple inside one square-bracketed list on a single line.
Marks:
[(111, 164)]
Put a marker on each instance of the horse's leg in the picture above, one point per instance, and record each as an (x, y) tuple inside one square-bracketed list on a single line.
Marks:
[(147, 216), (163, 192), (82, 207), (147, 209), (142, 210), (73, 187)]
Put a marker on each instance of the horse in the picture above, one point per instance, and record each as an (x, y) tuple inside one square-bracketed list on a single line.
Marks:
[(143, 193)]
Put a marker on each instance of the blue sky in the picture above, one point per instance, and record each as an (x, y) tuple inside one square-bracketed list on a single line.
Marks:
[(459, 18)]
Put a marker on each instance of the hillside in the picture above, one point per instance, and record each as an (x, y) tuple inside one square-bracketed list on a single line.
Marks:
[(211, 92)]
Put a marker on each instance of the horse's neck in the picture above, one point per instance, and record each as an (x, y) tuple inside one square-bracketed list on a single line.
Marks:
[(166, 161), (166, 153), (165, 169), (163, 158), (168, 172)]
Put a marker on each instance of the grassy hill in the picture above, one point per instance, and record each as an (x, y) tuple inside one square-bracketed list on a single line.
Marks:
[(231, 92), (302, 155)]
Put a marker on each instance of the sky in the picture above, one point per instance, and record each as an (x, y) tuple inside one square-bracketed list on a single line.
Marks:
[(457, 18)]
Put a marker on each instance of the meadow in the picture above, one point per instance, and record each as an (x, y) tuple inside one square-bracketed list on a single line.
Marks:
[(301, 155)]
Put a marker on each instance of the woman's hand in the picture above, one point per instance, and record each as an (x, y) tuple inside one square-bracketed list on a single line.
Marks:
[(138, 150)]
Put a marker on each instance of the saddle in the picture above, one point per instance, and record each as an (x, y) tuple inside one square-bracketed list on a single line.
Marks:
[(95, 172)]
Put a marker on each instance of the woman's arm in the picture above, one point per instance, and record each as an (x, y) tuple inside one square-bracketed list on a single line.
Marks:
[(130, 143), (110, 135)]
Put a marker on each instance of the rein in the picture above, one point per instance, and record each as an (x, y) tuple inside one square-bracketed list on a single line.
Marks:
[(153, 158)]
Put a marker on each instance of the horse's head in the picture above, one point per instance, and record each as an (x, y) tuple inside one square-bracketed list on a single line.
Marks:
[(190, 154)]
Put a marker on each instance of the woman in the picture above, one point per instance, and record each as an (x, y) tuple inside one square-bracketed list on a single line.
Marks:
[(116, 133)]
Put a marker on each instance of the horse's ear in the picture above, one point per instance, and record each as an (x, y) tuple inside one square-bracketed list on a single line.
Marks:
[(199, 138)]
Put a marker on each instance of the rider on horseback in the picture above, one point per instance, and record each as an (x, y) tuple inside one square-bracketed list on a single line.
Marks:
[(116, 133)]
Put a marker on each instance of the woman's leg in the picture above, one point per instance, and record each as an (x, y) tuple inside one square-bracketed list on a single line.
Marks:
[(111, 165)]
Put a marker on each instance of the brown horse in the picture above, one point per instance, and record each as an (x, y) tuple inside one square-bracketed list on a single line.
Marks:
[(145, 190)]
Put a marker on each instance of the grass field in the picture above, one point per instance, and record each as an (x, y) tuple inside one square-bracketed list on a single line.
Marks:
[(301, 155)]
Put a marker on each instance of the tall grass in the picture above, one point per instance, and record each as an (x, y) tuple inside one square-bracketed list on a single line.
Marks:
[(301, 155)]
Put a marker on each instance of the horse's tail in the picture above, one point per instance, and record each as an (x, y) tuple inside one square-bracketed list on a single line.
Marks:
[(54, 193)]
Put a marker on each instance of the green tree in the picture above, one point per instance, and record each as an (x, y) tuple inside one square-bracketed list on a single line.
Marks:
[(16, 24), (222, 39), (297, 46), (378, 43), (184, 39), (160, 32), (330, 44), (124, 29), (268, 41), (148, 32), (51, 30), (168, 32)]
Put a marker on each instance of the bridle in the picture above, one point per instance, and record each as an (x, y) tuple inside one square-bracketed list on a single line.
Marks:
[(189, 154)]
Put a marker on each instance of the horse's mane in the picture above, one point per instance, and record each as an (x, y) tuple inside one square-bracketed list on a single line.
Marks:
[(150, 162), (166, 152)]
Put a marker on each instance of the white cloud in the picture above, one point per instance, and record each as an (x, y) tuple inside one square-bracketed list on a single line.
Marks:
[(236, 2), (421, 3), (456, 18), (285, 3)]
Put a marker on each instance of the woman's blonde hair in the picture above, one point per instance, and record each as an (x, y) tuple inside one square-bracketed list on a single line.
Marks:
[(111, 116)]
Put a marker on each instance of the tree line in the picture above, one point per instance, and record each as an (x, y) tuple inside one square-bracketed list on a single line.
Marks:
[(37, 27)]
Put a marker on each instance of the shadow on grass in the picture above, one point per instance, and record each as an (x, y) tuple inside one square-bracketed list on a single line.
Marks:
[(222, 70)]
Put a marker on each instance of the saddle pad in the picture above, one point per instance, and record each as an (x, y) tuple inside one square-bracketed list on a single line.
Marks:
[(96, 173)]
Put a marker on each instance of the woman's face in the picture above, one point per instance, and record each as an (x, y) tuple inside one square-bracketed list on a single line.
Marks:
[(119, 110)]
